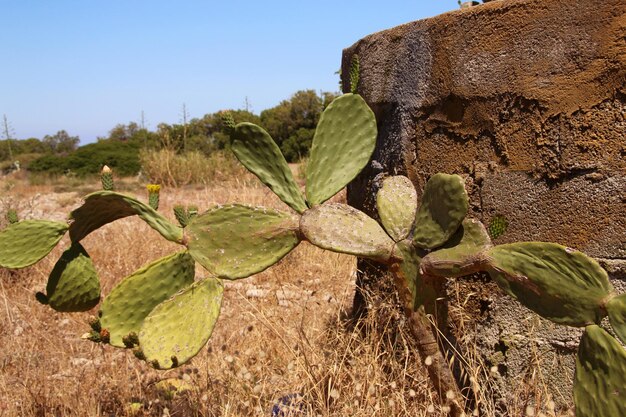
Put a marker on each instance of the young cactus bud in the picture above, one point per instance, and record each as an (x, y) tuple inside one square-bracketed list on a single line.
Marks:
[(497, 226), (153, 195), (139, 354), (227, 119), (94, 323), (354, 73), (105, 336), (181, 215), (106, 176), (130, 340), (192, 211), (12, 216)]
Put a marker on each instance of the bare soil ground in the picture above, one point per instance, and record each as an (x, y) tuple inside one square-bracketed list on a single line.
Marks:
[(282, 332)]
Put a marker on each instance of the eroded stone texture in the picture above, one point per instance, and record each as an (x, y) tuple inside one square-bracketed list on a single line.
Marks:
[(526, 99)]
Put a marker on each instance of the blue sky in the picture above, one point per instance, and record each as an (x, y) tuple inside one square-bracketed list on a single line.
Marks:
[(85, 66)]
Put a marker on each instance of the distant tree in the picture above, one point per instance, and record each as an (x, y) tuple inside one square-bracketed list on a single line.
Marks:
[(294, 120), (61, 142)]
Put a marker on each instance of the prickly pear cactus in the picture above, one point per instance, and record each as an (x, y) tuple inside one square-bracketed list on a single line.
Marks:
[(25, 243), (167, 317), (178, 328), (237, 241), (126, 307), (343, 144), (12, 217), (258, 152), (73, 284), (616, 308), (559, 283), (104, 207), (106, 177), (600, 379), (154, 192)]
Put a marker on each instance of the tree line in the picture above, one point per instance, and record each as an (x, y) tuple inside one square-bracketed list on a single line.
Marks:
[(291, 123)]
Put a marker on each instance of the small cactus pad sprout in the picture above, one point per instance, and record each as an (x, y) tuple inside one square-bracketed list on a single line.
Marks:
[(25, 243), (130, 340), (397, 205), (600, 378), (354, 73), (462, 255), (94, 323), (104, 207), (616, 307), (237, 241), (181, 215), (106, 177), (12, 217), (558, 283), (497, 226), (343, 143), (258, 152), (128, 304), (73, 284), (181, 326), (227, 120), (343, 228), (444, 206), (154, 190)]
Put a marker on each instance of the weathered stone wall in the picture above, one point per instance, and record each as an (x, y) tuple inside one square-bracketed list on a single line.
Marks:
[(526, 99)]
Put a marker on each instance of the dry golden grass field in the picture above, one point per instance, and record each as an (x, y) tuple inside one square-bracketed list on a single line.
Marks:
[(280, 332)]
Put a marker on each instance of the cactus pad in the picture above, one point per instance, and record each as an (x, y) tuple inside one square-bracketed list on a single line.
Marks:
[(397, 205), (444, 206), (178, 328), (237, 241), (616, 307), (105, 207), (25, 243), (341, 228), (73, 284), (600, 379), (128, 304), (462, 254), (343, 143), (560, 284), (258, 152)]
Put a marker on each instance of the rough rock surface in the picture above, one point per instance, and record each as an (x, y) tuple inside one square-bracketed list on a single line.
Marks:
[(526, 99)]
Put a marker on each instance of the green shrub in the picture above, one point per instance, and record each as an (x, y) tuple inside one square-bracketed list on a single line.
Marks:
[(122, 157)]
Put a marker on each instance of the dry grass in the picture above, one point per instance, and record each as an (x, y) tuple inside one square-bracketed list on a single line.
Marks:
[(280, 332)]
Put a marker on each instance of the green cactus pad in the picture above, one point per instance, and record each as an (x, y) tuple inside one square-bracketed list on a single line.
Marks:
[(462, 255), (27, 242), (178, 328), (600, 379), (444, 206), (258, 152), (237, 241), (342, 228), (128, 304), (73, 284), (343, 143), (104, 207), (397, 206), (616, 307), (560, 284)]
